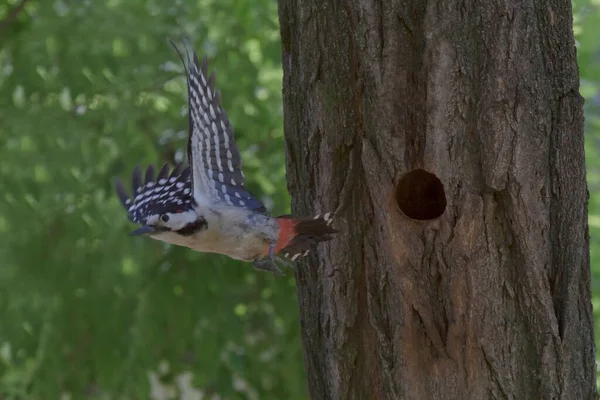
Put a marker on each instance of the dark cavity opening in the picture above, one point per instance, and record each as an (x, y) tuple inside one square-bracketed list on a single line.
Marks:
[(420, 195)]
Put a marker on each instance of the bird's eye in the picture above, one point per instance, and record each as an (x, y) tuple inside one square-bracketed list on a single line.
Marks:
[(164, 218)]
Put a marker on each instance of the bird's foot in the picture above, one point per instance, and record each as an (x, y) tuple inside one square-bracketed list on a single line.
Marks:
[(270, 263), (266, 264)]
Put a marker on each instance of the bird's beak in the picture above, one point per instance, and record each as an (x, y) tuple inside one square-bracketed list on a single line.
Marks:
[(144, 230)]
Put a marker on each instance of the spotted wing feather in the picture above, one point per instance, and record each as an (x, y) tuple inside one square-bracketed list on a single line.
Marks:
[(213, 154), (164, 172), (166, 193)]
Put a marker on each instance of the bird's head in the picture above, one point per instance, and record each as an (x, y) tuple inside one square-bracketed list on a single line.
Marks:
[(164, 204)]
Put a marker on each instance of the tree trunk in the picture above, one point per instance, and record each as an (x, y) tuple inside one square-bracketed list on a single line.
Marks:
[(448, 138)]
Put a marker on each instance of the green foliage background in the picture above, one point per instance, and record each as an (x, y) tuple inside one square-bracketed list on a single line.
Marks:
[(586, 26), (88, 90)]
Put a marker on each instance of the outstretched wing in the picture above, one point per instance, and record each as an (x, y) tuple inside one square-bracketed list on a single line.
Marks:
[(213, 155), (166, 193)]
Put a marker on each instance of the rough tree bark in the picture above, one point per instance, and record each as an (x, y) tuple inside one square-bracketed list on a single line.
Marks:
[(473, 286)]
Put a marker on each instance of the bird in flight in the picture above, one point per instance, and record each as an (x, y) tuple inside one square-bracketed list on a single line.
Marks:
[(205, 206)]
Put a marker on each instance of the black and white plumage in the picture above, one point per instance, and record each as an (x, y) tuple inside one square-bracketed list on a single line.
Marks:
[(212, 152), (168, 193), (206, 206)]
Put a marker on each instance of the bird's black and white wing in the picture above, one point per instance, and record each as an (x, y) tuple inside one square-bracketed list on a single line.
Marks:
[(213, 155), (168, 193)]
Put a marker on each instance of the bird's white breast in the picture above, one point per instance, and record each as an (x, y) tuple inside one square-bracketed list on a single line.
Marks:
[(238, 233)]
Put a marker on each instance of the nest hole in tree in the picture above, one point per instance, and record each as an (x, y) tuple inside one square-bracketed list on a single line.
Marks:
[(420, 195)]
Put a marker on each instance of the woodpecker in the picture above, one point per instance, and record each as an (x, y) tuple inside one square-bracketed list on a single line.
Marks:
[(204, 206)]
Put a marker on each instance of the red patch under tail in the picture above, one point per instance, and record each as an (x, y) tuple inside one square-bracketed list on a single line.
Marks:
[(298, 236)]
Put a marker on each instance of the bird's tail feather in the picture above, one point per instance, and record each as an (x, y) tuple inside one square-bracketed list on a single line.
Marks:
[(298, 235)]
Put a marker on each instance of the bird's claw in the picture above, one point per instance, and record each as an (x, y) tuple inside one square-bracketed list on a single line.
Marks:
[(270, 263), (266, 264)]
